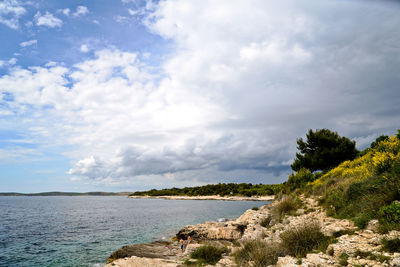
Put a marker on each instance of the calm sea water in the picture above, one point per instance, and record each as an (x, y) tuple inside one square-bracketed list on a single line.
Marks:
[(84, 231)]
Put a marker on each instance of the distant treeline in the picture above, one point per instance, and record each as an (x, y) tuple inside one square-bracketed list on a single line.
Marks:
[(66, 194), (221, 189)]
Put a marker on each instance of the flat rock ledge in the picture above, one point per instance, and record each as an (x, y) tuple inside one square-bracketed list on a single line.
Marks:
[(157, 249)]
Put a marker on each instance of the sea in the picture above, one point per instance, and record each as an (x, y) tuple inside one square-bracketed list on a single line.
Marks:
[(85, 230)]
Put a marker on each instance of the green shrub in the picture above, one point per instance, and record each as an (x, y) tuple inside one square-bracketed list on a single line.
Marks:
[(208, 254), (330, 251), (362, 221), (382, 258), (343, 232), (390, 213), (259, 252), (301, 240), (343, 259), (391, 245), (299, 179), (236, 243), (364, 254)]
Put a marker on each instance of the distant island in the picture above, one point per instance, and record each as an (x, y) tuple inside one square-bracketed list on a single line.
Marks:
[(221, 189), (66, 194)]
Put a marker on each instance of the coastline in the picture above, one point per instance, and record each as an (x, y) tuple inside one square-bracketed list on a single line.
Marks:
[(347, 239), (214, 197)]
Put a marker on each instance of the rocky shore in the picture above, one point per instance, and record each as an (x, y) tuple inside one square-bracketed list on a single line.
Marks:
[(360, 247), (232, 198)]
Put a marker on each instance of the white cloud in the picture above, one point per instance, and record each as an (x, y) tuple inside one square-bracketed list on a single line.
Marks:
[(65, 11), (8, 63), (133, 12), (10, 12), (84, 48), (80, 11), (121, 19), (12, 61), (47, 20), (28, 43)]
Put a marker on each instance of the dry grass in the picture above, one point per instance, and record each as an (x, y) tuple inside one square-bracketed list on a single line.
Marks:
[(287, 205), (303, 239)]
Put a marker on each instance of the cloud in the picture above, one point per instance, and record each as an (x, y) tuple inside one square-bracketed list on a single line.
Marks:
[(8, 63), (65, 11), (121, 19), (10, 12), (47, 20), (241, 83), (133, 12), (84, 48), (80, 11), (28, 43)]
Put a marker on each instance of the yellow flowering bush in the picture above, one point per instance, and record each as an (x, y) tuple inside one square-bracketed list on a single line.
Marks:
[(363, 188), (387, 154), (381, 158)]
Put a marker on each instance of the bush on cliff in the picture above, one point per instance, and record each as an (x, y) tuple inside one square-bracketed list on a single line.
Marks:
[(391, 245), (259, 253), (299, 180), (208, 254), (389, 217), (301, 240), (287, 205), (295, 242)]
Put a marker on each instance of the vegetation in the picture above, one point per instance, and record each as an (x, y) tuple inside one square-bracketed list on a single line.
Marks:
[(371, 256), (287, 205), (303, 239), (259, 252), (365, 188), (300, 179), (265, 221), (208, 254), (323, 150), (222, 189), (295, 242), (343, 259), (391, 245)]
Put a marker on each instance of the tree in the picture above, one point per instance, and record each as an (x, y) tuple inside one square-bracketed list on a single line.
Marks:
[(323, 150)]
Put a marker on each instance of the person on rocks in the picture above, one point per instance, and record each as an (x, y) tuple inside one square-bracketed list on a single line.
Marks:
[(189, 239), (182, 244)]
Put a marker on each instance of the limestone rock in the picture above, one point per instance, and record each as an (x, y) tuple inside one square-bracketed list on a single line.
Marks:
[(142, 262), (287, 261), (213, 231)]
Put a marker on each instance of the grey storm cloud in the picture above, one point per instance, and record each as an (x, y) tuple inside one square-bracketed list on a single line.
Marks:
[(313, 64), (223, 155)]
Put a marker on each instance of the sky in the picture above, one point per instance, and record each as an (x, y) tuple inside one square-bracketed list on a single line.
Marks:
[(126, 95)]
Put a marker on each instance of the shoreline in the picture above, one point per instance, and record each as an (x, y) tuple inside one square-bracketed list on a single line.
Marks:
[(214, 197), (348, 240)]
